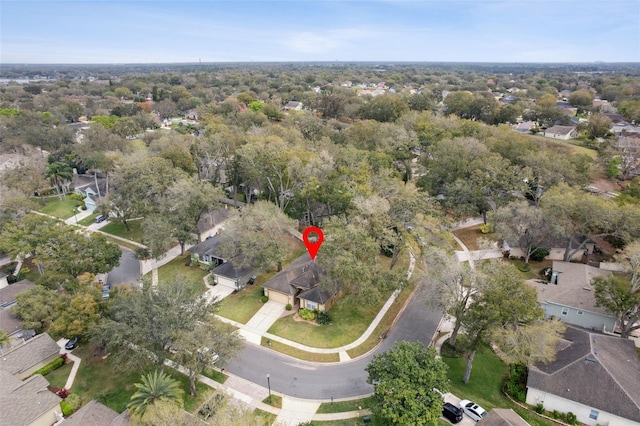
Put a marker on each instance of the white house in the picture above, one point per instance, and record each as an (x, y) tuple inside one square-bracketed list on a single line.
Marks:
[(561, 132), (594, 376)]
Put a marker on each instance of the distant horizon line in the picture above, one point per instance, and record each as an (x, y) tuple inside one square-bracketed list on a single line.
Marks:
[(381, 62)]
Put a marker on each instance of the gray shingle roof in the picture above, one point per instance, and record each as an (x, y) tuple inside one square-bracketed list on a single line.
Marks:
[(208, 247), (560, 130), (22, 402), (233, 269), (8, 294), (92, 414), (316, 295), (302, 274), (27, 354), (502, 417), (596, 370), (573, 288)]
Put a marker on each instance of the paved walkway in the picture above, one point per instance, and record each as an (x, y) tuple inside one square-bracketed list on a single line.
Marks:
[(76, 363)]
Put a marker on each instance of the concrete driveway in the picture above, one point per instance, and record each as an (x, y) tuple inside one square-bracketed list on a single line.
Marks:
[(262, 321), (466, 420)]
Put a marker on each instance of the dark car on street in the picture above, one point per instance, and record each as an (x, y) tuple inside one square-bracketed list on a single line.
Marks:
[(451, 413)]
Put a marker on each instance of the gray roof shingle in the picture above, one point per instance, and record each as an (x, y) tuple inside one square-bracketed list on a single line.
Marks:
[(502, 417), (596, 370), (25, 355), (302, 274), (573, 288), (22, 402), (92, 414)]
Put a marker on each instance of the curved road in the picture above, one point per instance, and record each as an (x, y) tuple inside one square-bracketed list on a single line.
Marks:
[(307, 380)]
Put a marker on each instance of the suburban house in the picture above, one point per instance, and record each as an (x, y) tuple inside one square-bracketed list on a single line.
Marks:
[(90, 186), (25, 358), (96, 414), (594, 376), (293, 106), (234, 273), (569, 296), (27, 402), (9, 323), (525, 126), (561, 132), (297, 285), (502, 417)]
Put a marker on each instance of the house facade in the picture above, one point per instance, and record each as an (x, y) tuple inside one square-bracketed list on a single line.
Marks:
[(569, 296), (561, 132), (297, 285), (27, 402), (594, 376), (234, 274)]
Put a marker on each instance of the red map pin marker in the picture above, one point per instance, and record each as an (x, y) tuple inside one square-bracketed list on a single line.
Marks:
[(314, 244)]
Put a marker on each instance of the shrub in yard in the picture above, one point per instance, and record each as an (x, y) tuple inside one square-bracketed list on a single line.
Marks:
[(62, 393), (524, 268), (73, 399), (539, 254), (288, 307), (486, 228), (67, 409), (517, 383), (264, 299), (307, 314), (571, 418), (323, 318), (56, 363), (540, 408)]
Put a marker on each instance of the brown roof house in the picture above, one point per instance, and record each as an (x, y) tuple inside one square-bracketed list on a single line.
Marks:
[(298, 284), (561, 132), (570, 298), (594, 376), (28, 402), (502, 417)]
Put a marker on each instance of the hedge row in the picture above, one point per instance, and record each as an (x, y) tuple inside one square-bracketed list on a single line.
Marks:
[(56, 363)]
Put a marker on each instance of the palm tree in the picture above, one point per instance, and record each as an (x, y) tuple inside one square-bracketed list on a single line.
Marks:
[(57, 173), (154, 386), (4, 339)]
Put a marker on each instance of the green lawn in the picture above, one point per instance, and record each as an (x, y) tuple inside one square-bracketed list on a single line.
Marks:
[(264, 417), (104, 380), (242, 305), (349, 320), (88, 220), (345, 406), (62, 209), (485, 384), (117, 228), (58, 378), (298, 353), (177, 267), (273, 400)]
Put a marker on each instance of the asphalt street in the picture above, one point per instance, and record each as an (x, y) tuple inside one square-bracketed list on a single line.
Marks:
[(128, 272), (309, 380)]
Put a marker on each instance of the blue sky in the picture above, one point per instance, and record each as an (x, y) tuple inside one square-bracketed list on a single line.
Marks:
[(315, 30)]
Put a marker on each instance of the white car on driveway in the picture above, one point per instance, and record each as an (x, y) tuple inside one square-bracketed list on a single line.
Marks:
[(472, 409)]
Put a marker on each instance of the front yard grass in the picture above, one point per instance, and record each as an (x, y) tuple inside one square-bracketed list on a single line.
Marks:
[(104, 380), (60, 208), (485, 384), (88, 220), (346, 406), (470, 236), (58, 377), (117, 228), (177, 267), (273, 400), (349, 319), (298, 353), (243, 305)]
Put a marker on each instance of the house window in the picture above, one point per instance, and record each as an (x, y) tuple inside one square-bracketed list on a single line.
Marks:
[(565, 311), (593, 415), (580, 313), (311, 305)]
